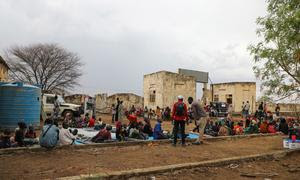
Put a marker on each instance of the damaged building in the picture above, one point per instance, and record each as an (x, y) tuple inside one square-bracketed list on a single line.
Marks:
[(162, 88), (104, 102)]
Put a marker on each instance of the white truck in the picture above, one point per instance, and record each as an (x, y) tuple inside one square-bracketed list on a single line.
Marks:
[(48, 105)]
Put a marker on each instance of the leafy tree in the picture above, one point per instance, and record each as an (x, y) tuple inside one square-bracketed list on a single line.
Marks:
[(277, 55), (48, 65)]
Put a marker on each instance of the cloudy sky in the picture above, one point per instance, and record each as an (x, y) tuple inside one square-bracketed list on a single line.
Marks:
[(121, 40)]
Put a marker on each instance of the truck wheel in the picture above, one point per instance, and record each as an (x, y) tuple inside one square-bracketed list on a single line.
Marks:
[(66, 112)]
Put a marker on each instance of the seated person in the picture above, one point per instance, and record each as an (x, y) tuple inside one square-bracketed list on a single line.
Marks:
[(30, 133), (20, 134), (216, 127), (147, 129), (98, 124), (223, 131), (5, 141), (158, 131), (209, 128), (118, 130), (68, 119), (238, 129), (132, 119), (103, 135), (30, 136), (50, 135), (263, 128), (252, 129), (272, 128), (65, 136), (92, 121), (248, 121), (135, 131), (283, 126)]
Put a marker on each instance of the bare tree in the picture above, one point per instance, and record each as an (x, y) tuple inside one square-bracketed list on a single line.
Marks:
[(48, 65)]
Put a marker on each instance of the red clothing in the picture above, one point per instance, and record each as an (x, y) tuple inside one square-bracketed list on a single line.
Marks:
[(118, 125), (238, 130), (185, 114), (92, 122), (271, 129), (30, 135), (263, 127), (104, 134), (132, 118)]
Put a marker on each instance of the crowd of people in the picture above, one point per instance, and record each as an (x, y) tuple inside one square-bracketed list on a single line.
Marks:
[(58, 132)]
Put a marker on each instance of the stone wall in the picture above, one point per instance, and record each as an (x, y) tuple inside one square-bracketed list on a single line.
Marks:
[(104, 102), (165, 87), (75, 98), (285, 108)]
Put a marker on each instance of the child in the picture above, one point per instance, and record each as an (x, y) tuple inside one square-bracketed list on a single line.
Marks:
[(30, 136), (92, 122), (5, 139), (20, 134)]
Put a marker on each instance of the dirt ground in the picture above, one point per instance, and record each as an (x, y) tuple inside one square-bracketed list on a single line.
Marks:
[(63, 162), (285, 168)]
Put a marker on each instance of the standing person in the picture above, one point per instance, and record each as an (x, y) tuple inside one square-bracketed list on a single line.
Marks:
[(146, 113), (132, 110), (113, 113), (199, 115), (243, 109), (180, 116), (158, 113), (265, 109), (117, 110), (260, 110), (56, 109), (247, 108), (120, 111), (277, 110)]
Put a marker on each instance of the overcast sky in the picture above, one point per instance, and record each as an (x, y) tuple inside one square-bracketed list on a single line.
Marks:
[(121, 40)]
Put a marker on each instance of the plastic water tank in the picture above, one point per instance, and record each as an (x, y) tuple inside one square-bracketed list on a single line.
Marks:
[(19, 102)]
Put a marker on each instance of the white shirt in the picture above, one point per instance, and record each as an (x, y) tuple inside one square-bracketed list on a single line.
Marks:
[(65, 137)]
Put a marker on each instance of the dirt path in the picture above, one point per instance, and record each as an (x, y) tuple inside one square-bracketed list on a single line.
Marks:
[(286, 168), (61, 163)]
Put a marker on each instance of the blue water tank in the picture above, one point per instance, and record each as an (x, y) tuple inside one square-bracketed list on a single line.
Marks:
[(19, 102)]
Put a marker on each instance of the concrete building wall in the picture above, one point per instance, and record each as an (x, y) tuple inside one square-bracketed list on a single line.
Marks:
[(76, 98), (153, 85), (104, 102), (167, 86), (240, 92)]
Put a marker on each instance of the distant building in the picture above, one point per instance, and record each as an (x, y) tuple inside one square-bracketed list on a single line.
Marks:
[(104, 102), (162, 88), (235, 93), (3, 70)]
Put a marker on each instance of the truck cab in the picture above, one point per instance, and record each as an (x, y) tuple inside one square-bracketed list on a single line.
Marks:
[(48, 105)]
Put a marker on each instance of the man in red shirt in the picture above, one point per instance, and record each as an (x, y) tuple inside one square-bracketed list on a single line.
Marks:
[(179, 115)]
